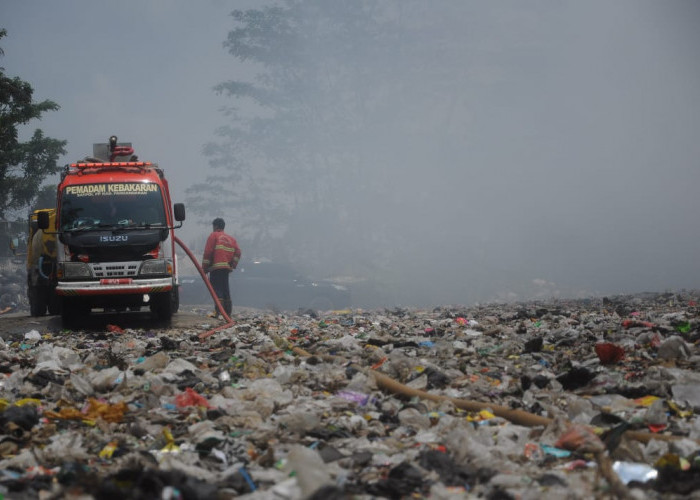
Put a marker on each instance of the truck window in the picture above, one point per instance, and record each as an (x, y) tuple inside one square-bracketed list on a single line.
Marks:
[(93, 206)]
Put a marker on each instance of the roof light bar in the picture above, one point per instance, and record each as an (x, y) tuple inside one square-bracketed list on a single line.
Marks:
[(112, 164)]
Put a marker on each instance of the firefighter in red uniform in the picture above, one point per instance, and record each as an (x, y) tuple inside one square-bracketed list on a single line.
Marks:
[(221, 255)]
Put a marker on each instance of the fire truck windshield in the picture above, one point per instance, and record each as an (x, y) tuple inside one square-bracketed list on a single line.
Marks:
[(111, 205)]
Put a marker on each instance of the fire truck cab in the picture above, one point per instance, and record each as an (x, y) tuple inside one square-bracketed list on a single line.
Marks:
[(115, 235)]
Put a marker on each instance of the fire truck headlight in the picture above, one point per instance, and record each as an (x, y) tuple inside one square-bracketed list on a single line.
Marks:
[(76, 270), (156, 266)]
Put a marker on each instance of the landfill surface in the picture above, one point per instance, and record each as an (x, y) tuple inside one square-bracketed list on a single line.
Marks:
[(548, 399)]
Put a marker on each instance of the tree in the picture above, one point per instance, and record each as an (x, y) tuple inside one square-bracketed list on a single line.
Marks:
[(289, 165), (46, 197), (348, 135), (23, 165)]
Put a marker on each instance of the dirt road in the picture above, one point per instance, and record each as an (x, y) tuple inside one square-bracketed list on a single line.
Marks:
[(17, 324)]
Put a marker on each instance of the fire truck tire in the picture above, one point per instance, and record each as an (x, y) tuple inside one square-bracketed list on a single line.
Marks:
[(162, 305), (37, 301), (54, 303), (175, 299), (72, 311)]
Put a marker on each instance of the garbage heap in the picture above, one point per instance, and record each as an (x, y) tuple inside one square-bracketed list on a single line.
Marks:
[(13, 285), (548, 399)]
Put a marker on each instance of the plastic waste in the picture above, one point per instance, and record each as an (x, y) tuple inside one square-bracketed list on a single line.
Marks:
[(311, 472), (628, 472), (187, 417), (674, 348), (32, 336), (580, 438), (687, 394), (156, 362), (105, 380), (94, 409), (609, 353), (18, 420), (190, 398)]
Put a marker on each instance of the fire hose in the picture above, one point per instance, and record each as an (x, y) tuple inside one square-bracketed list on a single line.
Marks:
[(121, 151), (219, 307)]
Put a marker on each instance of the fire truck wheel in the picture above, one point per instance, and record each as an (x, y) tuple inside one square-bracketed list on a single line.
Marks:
[(54, 303), (162, 305), (175, 299), (37, 301), (72, 311)]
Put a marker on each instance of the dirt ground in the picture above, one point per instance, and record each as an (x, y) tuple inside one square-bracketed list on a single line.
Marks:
[(19, 323)]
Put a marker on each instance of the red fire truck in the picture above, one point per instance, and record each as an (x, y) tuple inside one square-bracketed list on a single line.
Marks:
[(115, 235)]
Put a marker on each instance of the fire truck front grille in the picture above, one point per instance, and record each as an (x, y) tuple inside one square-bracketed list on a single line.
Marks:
[(115, 270)]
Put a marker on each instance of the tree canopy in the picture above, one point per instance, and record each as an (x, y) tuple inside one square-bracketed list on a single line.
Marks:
[(23, 165), (284, 165), (345, 99)]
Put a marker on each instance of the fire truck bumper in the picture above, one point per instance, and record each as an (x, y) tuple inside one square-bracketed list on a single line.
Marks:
[(119, 286)]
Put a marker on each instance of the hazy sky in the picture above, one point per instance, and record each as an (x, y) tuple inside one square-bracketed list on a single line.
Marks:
[(579, 164), (141, 70)]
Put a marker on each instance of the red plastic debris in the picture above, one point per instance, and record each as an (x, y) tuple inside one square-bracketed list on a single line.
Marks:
[(580, 438), (114, 329), (191, 398), (533, 451), (654, 341), (609, 353), (379, 363)]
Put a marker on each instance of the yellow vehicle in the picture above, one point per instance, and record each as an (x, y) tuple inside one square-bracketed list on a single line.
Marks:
[(41, 266)]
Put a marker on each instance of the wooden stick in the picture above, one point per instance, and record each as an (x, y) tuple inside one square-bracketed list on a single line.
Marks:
[(519, 417)]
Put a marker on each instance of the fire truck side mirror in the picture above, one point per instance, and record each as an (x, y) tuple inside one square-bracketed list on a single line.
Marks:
[(179, 209), (42, 219)]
